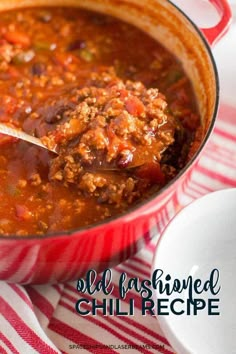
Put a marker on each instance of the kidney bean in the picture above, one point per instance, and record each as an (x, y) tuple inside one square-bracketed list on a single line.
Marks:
[(76, 44)]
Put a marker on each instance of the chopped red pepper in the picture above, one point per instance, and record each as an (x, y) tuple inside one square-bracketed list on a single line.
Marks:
[(116, 145), (124, 93), (16, 37), (134, 106)]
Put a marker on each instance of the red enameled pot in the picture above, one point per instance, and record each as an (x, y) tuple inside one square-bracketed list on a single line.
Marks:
[(66, 256)]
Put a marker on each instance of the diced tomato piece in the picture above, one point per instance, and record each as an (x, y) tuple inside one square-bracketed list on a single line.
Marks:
[(134, 106), (152, 172), (110, 132), (125, 145), (116, 146), (16, 37), (23, 213), (124, 93)]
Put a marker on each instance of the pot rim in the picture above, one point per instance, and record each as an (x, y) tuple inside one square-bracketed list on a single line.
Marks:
[(156, 195)]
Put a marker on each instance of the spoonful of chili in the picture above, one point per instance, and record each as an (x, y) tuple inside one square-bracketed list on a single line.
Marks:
[(110, 125), (19, 134)]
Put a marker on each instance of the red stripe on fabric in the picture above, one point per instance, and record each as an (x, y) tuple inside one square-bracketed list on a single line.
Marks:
[(76, 337), (58, 288), (175, 200), (24, 331), (108, 328), (227, 113), (222, 149), (137, 301), (167, 218), (29, 275), (141, 261), (22, 295), (158, 230), (2, 350), (40, 302), (147, 239), (190, 195), (129, 273), (190, 185), (196, 188), (200, 185), (151, 247), (161, 220), (137, 269), (8, 344), (187, 190), (196, 191), (224, 134), (230, 162), (14, 266), (4, 254), (219, 177), (164, 221), (149, 332)]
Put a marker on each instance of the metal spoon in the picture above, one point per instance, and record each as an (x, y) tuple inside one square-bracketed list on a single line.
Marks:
[(19, 134)]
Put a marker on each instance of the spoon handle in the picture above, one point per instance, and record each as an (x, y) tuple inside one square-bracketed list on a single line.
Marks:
[(4, 129)]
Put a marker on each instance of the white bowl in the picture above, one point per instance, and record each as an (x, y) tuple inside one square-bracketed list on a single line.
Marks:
[(202, 237)]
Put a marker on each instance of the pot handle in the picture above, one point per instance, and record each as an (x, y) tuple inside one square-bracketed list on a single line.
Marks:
[(215, 33)]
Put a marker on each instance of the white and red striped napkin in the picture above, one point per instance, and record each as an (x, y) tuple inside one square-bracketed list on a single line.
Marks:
[(43, 319)]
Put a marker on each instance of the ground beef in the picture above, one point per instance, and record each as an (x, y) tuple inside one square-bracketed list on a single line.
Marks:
[(111, 125)]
